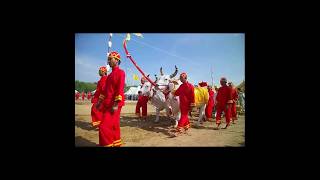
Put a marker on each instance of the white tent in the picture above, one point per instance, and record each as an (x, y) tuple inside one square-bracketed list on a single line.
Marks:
[(76, 91), (133, 91)]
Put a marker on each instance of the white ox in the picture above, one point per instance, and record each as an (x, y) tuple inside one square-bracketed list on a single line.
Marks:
[(165, 84)]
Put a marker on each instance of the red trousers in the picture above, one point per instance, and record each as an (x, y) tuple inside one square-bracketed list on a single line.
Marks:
[(96, 115), (184, 119), (109, 129), (209, 109), (227, 112), (234, 112), (144, 104)]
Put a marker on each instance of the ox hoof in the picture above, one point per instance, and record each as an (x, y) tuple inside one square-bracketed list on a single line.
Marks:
[(175, 124), (197, 123)]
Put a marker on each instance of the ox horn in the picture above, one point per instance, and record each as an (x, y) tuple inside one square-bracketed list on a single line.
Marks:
[(161, 73), (156, 78), (175, 72)]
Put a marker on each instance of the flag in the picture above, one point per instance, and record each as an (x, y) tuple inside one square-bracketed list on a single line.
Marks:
[(135, 77), (128, 37), (138, 34)]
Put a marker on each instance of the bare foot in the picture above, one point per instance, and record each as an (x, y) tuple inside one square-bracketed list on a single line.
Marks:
[(217, 127), (226, 126)]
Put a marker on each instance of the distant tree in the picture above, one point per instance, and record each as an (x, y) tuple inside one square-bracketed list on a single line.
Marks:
[(242, 86), (84, 86), (88, 86)]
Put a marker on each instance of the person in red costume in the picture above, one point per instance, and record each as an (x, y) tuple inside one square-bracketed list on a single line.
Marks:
[(234, 97), (83, 95), (203, 84), (224, 102), (142, 103), (210, 104), (96, 114), (89, 95), (112, 99), (77, 95), (186, 97)]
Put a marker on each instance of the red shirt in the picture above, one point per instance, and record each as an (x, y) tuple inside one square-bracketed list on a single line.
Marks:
[(143, 99), (186, 94), (101, 84), (223, 96), (211, 95), (234, 94), (114, 88)]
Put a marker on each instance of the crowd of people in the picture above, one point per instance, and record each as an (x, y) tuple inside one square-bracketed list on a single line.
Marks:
[(222, 101), (109, 99), (132, 97), (83, 96)]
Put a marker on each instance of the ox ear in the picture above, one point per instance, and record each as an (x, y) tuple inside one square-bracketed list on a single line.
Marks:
[(175, 82)]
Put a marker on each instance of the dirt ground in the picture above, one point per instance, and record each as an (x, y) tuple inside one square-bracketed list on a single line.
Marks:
[(135, 132)]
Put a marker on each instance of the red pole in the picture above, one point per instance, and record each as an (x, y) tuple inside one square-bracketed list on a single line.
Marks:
[(134, 63)]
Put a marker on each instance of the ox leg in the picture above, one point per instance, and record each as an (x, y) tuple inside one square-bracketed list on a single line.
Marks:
[(177, 119), (157, 115), (169, 111), (201, 113)]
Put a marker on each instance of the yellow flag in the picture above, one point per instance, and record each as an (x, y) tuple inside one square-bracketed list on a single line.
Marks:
[(135, 77)]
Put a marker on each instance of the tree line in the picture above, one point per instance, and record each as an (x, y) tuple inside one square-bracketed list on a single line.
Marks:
[(89, 86)]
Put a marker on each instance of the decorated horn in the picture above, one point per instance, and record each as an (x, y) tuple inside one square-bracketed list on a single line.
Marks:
[(175, 72)]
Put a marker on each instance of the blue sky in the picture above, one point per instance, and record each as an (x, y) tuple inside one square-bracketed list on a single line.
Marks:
[(193, 53)]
